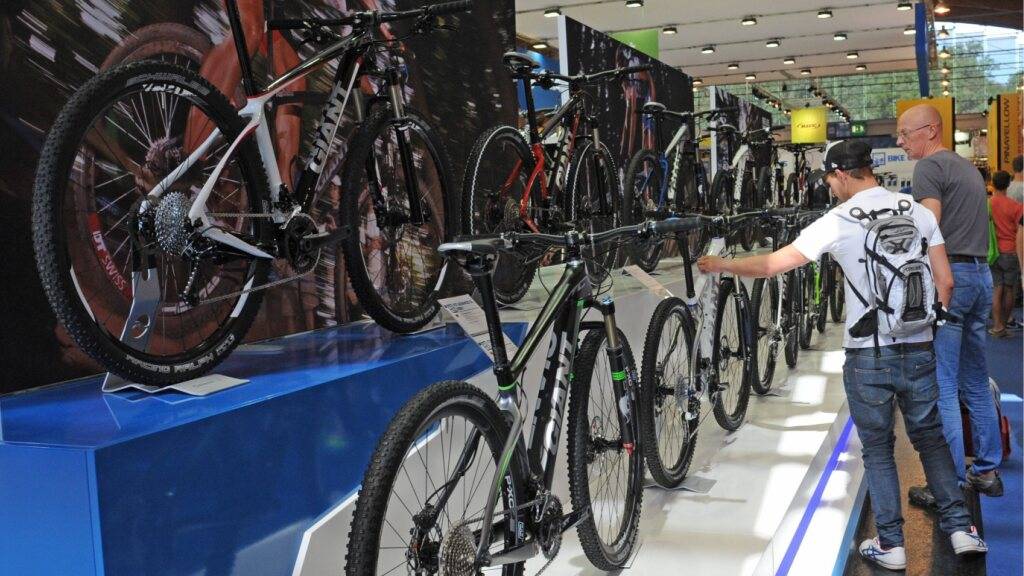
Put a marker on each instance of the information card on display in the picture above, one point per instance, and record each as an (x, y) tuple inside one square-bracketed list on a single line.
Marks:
[(648, 281), (470, 317)]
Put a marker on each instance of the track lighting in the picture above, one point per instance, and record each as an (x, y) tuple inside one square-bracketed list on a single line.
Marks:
[(552, 12)]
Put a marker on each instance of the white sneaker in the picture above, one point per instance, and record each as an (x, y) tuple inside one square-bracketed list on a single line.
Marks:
[(894, 558), (968, 542)]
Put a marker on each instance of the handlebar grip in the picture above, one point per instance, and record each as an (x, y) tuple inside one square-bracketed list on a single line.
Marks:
[(672, 225), (785, 211), (632, 69), (449, 7)]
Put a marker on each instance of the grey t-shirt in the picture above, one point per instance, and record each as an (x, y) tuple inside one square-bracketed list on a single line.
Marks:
[(957, 184), (1016, 191)]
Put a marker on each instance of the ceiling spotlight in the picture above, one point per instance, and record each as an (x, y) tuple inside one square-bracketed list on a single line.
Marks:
[(852, 55), (695, 89), (805, 72), (941, 8), (945, 82), (773, 43), (945, 92), (945, 70), (944, 54), (902, 6), (668, 30), (826, 13), (707, 50), (943, 33), (698, 81), (839, 36), (552, 12), (789, 60), (751, 76), (539, 45), (861, 67), (748, 21), (909, 31), (733, 66)]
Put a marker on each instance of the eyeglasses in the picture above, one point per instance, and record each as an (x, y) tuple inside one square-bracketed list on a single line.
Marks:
[(904, 133)]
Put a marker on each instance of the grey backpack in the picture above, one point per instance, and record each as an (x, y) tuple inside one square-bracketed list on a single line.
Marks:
[(901, 299)]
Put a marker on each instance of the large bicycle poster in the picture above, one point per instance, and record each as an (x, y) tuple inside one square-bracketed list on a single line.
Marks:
[(745, 115), (49, 49)]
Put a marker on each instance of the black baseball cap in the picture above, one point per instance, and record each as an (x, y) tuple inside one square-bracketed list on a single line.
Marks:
[(848, 155)]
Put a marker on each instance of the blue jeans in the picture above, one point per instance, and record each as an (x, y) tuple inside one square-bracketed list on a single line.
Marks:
[(963, 371), (904, 377)]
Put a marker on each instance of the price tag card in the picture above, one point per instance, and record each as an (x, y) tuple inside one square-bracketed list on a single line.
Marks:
[(649, 282)]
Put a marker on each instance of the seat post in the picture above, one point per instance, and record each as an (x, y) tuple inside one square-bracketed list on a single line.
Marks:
[(238, 34), (480, 269)]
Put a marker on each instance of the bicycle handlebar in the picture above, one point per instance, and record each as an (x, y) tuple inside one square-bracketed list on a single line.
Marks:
[(371, 17), (548, 76)]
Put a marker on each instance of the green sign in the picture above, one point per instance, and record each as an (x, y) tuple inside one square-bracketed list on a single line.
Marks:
[(645, 41), (858, 129)]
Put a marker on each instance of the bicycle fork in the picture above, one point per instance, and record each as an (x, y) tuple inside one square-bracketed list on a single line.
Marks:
[(622, 382)]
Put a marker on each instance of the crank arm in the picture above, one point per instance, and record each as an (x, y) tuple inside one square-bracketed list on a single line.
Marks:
[(573, 518), (325, 239), (520, 553), (222, 237)]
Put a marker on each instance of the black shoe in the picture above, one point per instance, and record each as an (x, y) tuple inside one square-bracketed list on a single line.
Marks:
[(991, 486), (922, 496)]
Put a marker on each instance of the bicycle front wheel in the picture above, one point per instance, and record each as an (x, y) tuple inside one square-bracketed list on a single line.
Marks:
[(605, 477), (668, 437), (729, 357), (422, 498), (807, 310), (644, 181), (836, 297), (391, 253), (791, 317), (592, 187), (764, 302)]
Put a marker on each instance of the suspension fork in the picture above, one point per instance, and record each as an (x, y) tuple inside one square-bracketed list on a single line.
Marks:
[(404, 149), (623, 382)]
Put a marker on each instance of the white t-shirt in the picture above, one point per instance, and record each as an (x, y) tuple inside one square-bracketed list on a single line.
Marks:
[(1016, 191), (843, 238)]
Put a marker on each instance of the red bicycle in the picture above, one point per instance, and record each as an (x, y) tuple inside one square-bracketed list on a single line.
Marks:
[(551, 178)]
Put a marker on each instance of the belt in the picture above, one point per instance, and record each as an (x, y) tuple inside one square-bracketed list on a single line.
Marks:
[(964, 259), (900, 347)]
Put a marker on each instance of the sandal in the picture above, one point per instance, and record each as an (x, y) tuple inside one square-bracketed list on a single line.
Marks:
[(998, 333)]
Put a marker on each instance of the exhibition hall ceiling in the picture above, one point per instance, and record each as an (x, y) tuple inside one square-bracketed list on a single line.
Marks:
[(874, 30)]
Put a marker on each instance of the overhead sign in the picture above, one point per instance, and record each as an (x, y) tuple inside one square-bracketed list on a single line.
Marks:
[(646, 41), (1004, 131), (945, 108), (809, 125), (858, 129)]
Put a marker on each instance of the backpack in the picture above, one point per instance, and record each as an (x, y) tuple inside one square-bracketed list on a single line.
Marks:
[(902, 299)]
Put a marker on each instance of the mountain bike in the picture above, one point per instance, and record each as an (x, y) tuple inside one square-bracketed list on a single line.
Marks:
[(667, 180), (798, 182), (554, 177), (696, 347), (777, 303), (455, 487), (836, 294), (154, 240), (738, 182)]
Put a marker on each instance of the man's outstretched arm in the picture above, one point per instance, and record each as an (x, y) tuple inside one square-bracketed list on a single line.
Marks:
[(762, 266)]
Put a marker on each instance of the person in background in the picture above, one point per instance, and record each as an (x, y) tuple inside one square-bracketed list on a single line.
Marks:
[(1006, 215), (987, 177), (1016, 190), (952, 188), (902, 372)]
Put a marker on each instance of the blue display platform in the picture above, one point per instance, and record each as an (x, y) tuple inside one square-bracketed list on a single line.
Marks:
[(170, 484)]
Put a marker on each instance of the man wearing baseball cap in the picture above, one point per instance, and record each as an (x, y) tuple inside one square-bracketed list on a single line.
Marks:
[(901, 372)]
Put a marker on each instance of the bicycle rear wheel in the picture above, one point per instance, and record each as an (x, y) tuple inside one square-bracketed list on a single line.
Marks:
[(392, 259), (822, 290), (668, 437), (96, 233), (497, 172), (604, 476), (644, 180), (729, 357), (764, 302), (423, 494), (807, 308), (837, 297), (592, 187)]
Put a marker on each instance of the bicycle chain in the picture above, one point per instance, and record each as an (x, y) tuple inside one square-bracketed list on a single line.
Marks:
[(241, 214), (260, 287)]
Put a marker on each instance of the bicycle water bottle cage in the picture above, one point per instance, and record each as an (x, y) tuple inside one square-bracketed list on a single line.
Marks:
[(518, 64)]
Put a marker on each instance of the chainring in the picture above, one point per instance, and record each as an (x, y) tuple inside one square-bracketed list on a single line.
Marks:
[(549, 533)]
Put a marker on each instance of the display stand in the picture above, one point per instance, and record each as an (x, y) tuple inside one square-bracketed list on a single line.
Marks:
[(133, 483)]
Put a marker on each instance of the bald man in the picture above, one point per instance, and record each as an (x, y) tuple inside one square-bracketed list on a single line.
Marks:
[(952, 188)]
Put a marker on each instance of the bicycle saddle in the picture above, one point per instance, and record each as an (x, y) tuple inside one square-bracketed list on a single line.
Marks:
[(464, 246), (519, 63), (652, 108)]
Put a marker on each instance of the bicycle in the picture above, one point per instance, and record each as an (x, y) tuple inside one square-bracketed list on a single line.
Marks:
[(797, 183), (737, 183), (657, 187), (778, 304), (697, 346), (154, 242), (516, 182), (484, 499)]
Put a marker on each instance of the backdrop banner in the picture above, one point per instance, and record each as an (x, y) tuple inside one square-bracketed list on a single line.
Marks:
[(945, 106), (809, 125), (1004, 143), (745, 117), (455, 80), (615, 104)]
